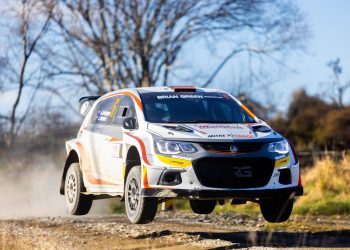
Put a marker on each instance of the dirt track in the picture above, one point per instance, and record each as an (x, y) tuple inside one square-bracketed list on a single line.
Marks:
[(173, 231)]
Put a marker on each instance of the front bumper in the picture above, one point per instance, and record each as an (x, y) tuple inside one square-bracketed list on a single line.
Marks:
[(221, 194), (208, 174)]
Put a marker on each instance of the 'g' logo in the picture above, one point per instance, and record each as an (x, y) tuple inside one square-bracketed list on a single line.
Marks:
[(243, 172)]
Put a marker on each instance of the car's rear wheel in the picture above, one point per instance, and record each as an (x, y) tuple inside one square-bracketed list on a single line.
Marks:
[(77, 203), (277, 210), (202, 206), (140, 210)]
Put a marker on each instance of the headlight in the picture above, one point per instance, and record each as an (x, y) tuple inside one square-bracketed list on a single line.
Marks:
[(173, 147), (280, 147)]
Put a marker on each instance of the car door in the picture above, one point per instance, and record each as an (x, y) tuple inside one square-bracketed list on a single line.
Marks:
[(115, 146), (98, 137)]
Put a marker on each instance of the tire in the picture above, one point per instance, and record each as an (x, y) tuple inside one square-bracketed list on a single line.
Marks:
[(277, 210), (202, 206), (77, 203), (140, 210)]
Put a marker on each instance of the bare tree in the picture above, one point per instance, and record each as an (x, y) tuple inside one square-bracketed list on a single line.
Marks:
[(25, 32), (337, 87), (111, 44)]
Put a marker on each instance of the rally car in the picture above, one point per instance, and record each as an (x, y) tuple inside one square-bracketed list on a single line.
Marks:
[(150, 145)]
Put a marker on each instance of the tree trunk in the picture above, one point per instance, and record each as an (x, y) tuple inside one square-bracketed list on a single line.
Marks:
[(12, 133), (146, 78)]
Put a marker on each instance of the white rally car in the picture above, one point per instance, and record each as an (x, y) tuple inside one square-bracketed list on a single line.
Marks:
[(150, 145)]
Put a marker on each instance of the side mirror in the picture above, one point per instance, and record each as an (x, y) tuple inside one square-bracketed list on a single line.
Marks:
[(129, 123), (85, 104), (85, 107)]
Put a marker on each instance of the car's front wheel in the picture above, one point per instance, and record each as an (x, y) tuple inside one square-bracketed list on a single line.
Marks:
[(277, 210), (140, 210), (202, 206), (77, 203)]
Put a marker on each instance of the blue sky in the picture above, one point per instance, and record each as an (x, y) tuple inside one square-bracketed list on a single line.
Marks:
[(330, 25)]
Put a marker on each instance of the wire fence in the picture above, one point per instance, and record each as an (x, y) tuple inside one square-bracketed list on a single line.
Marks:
[(307, 158)]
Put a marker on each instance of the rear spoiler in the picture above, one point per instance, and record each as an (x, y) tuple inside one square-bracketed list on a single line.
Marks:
[(85, 103)]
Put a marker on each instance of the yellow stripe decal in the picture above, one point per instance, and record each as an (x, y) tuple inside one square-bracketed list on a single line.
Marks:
[(114, 108), (145, 178), (176, 162), (123, 170), (282, 162)]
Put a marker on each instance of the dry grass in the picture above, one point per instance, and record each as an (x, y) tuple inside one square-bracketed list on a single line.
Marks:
[(327, 188)]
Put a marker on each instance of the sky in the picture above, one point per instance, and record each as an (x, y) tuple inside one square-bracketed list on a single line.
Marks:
[(329, 24)]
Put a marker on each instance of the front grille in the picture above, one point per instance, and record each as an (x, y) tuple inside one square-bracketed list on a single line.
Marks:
[(234, 172), (243, 147)]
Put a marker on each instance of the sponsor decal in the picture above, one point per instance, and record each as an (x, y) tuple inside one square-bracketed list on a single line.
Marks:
[(161, 97), (281, 162), (102, 115), (175, 162), (212, 97), (115, 150), (187, 96), (250, 135), (181, 157), (184, 96), (216, 136), (219, 126)]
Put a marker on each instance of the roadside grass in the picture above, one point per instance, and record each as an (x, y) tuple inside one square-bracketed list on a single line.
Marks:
[(249, 208), (117, 207), (326, 207), (327, 188)]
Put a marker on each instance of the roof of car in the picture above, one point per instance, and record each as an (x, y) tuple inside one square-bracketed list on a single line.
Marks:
[(138, 91), (170, 89)]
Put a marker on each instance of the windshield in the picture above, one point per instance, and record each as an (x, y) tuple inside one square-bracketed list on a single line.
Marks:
[(184, 107)]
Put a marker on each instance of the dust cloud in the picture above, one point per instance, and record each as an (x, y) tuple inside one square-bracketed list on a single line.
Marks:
[(34, 191)]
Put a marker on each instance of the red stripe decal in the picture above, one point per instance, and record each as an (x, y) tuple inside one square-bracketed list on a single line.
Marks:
[(143, 148)]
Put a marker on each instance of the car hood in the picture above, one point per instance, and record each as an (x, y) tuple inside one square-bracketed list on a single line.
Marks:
[(213, 132)]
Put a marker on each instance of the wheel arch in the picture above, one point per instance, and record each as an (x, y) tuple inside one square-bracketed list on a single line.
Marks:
[(132, 159), (73, 157)]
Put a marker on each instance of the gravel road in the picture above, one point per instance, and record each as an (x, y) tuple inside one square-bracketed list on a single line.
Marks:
[(173, 230)]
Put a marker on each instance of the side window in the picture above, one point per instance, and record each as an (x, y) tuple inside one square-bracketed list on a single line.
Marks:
[(104, 112), (126, 108)]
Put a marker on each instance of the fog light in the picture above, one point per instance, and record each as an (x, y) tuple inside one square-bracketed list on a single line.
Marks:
[(170, 178), (285, 176)]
